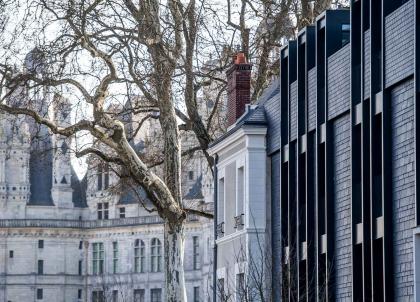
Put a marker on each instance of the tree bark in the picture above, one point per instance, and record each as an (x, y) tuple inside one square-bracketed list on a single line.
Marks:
[(174, 240)]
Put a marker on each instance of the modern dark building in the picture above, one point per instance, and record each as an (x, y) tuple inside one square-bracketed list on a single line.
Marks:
[(340, 172)]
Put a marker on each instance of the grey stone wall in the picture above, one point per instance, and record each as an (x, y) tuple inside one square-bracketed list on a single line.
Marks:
[(293, 110), (403, 188), (399, 44), (312, 99), (342, 200), (339, 82)]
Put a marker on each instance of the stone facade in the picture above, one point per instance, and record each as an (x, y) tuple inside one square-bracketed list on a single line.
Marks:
[(65, 239)]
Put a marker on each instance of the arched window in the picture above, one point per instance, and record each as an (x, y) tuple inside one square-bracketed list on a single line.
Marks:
[(156, 255), (139, 256)]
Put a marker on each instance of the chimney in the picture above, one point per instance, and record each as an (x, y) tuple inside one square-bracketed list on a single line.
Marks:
[(239, 87)]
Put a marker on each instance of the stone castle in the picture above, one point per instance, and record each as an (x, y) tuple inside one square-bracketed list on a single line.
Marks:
[(69, 239)]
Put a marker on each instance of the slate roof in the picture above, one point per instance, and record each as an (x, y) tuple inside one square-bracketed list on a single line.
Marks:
[(254, 115), (130, 197), (79, 187), (40, 170)]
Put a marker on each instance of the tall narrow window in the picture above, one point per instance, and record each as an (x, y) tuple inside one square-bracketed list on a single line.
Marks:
[(240, 192), (80, 267), (11, 254), (139, 256), (40, 244), (40, 267), (79, 294), (156, 295), (80, 245), (196, 294), (115, 296), (103, 177), (221, 201), (98, 258), (98, 296), (122, 212), (115, 257), (39, 294), (103, 210), (221, 289), (240, 288), (196, 253), (156, 255), (99, 187), (139, 295)]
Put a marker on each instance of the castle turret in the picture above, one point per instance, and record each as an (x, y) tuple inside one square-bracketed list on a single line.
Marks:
[(62, 192), (14, 166)]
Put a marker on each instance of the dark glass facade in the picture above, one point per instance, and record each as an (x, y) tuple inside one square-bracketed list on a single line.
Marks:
[(345, 192)]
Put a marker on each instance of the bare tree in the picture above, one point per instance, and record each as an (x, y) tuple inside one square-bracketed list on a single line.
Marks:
[(113, 288)]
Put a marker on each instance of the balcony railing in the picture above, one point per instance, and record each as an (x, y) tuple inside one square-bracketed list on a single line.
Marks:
[(220, 229), (83, 224), (239, 222)]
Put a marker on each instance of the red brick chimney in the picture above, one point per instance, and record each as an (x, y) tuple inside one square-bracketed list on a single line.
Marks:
[(239, 87)]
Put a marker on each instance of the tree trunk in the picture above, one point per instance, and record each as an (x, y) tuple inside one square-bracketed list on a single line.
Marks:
[(174, 262)]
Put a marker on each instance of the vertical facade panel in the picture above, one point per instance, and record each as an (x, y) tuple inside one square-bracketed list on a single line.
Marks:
[(312, 99), (339, 82), (293, 111), (342, 201), (366, 86), (399, 44), (403, 187)]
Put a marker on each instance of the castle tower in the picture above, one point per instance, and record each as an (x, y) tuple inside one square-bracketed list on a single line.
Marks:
[(62, 192), (14, 166)]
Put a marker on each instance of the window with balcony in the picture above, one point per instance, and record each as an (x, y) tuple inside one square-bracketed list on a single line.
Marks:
[(220, 207), (156, 255), (240, 199), (139, 256), (98, 258)]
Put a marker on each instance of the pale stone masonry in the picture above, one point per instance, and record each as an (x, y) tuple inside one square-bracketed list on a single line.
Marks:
[(65, 239)]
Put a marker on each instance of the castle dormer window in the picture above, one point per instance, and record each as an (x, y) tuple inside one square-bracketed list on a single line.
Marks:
[(103, 177), (103, 210)]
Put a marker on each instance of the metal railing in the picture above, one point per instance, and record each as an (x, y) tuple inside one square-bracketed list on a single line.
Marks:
[(220, 229), (85, 224), (239, 222)]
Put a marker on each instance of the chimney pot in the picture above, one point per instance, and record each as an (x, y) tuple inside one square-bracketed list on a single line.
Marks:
[(239, 87)]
